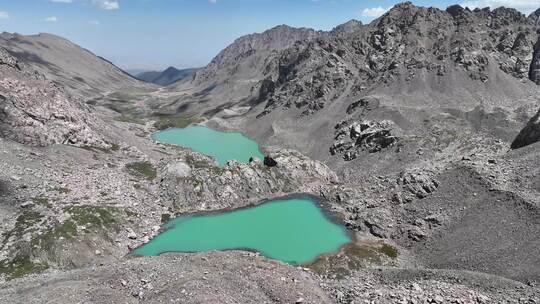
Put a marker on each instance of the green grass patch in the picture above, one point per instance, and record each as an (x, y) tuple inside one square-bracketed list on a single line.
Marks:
[(42, 201), (48, 241), (203, 164), (389, 251), (93, 216), (180, 121), (26, 220), (142, 169), (353, 257), (130, 119), (165, 217), (20, 267), (23, 223), (61, 190), (121, 96), (115, 147)]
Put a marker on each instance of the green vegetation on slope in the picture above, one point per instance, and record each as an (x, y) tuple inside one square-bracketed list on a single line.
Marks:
[(180, 121), (142, 169)]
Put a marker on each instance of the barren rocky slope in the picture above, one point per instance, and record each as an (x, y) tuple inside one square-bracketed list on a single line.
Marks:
[(402, 126), (77, 69), (37, 112)]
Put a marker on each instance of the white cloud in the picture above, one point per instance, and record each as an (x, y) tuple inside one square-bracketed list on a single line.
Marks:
[(94, 22), (106, 4), (374, 12), (51, 19), (525, 6), (212, 1), (4, 15), (62, 1)]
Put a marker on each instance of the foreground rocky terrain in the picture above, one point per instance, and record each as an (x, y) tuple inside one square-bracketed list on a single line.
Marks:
[(419, 131)]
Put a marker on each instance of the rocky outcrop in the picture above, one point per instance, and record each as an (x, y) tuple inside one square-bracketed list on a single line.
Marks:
[(530, 134), (415, 184), (204, 186), (36, 112), (370, 136)]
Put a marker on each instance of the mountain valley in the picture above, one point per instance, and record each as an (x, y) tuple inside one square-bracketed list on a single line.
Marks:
[(420, 131)]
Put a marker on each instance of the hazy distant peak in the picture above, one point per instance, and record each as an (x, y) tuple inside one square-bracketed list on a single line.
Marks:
[(166, 77)]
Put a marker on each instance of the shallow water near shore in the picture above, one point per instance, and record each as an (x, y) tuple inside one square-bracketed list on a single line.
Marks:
[(223, 146), (293, 230)]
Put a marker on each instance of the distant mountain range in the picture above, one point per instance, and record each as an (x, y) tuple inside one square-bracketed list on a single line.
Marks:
[(166, 77)]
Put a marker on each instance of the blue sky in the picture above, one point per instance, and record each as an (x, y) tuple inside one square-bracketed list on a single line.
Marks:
[(152, 34)]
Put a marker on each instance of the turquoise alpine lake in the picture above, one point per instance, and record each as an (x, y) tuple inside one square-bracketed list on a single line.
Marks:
[(223, 146), (294, 230)]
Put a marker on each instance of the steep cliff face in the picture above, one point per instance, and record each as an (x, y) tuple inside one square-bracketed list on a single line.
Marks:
[(37, 112), (534, 72)]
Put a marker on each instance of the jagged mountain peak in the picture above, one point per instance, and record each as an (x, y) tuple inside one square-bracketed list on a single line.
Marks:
[(275, 39), (535, 17), (350, 26)]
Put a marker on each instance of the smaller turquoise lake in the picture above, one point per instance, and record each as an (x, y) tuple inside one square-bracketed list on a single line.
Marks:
[(223, 146), (293, 230)]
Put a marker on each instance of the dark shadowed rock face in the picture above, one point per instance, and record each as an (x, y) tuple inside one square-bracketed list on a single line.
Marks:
[(534, 71), (35, 111), (530, 134)]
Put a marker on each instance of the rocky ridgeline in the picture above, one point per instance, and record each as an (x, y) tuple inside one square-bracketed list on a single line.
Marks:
[(37, 112), (405, 43)]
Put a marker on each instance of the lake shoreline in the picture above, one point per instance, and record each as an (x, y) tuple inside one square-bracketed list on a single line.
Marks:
[(318, 202)]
